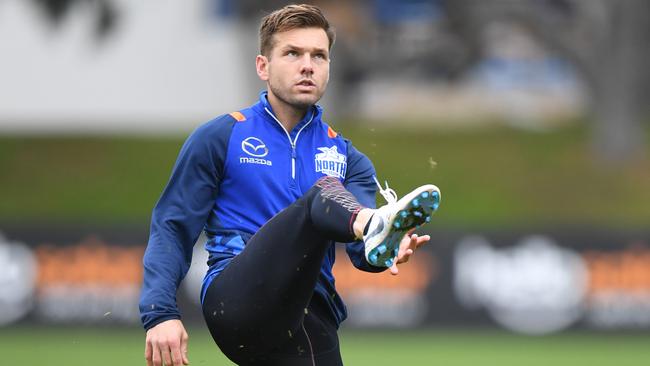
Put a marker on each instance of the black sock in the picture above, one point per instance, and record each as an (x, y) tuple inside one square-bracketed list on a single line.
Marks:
[(334, 210)]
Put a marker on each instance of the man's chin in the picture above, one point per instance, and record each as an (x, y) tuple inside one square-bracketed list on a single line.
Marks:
[(304, 101)]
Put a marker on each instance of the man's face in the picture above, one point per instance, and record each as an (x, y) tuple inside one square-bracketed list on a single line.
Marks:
[(297, 69)]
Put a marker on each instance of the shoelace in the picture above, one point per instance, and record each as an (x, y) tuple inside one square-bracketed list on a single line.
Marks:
[(388, 193)]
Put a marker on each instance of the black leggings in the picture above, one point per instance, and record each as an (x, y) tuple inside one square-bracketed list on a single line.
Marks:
[(260, 309)]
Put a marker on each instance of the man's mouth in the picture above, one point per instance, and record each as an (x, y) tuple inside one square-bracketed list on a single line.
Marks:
[(306, 82)]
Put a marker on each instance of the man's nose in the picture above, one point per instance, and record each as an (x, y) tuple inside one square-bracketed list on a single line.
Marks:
[(306, 65)]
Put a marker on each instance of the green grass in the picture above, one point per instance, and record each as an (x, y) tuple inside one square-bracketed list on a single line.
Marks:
[(118, 346), (91, 179), (502, 177), (490, 178), (472, 348)]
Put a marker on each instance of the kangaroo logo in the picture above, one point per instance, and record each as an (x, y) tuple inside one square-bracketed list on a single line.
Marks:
[(331, 162)]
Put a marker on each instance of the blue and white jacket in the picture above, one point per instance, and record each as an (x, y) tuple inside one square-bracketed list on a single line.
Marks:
[(232, 175)]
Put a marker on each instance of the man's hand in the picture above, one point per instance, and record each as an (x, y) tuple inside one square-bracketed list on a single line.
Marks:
[(407, 247), (167, 343)]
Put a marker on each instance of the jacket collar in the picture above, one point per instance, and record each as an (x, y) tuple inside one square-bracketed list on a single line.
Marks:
[(264, 108)]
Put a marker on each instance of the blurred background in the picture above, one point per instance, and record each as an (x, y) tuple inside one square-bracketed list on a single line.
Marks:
[(530, 115)]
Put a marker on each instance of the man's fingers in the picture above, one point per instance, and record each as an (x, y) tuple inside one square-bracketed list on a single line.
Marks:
[(404, 257), (177, 358), (410, 242), (148, 352), (422, 240), (184, 341), (166, 343), (165, 353), (414, 241), (407, 255), (155, 354)]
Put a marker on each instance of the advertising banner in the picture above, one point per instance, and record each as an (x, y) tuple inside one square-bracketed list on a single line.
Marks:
[(528, 282)]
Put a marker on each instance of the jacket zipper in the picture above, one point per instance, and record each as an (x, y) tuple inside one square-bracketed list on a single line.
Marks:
[(292, 142)]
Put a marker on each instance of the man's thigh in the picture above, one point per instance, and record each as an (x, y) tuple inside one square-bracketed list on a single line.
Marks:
[(314, 343)]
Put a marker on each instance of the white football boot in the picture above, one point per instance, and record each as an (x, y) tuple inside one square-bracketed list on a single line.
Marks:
[(390, 222)]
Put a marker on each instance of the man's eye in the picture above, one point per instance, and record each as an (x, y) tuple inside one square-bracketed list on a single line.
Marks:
[(319, 56), (292, 53)]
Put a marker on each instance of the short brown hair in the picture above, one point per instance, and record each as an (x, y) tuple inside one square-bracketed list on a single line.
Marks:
[(292, 17)]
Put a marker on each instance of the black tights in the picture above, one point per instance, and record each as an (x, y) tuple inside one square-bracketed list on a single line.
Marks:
[(260, 309)]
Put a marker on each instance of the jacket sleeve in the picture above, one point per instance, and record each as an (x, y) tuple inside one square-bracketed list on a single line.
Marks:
[(179, 216), (359, 181)]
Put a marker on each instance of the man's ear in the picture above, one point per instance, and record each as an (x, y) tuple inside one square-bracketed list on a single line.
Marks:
[(262, 66)]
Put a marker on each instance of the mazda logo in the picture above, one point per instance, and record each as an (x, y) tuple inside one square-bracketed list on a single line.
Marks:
[(254, 147)]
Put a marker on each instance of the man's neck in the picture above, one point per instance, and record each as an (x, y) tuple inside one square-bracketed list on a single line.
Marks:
[(288, 116)]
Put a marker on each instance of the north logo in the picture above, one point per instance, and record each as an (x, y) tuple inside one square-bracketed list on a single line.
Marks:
[(330, 162), (254, 147), (257, 150)]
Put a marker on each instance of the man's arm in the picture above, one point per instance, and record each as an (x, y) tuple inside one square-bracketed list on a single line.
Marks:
[(360, 182), (177, 221), (179, 217)]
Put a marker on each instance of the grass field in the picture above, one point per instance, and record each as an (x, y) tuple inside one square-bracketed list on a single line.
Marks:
[(23, 346), (490, 178)]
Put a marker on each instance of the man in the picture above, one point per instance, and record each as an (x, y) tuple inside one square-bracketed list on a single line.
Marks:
[(274, 188)]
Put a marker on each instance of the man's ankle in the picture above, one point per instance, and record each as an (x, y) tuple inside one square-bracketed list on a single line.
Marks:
[(361, 222)]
